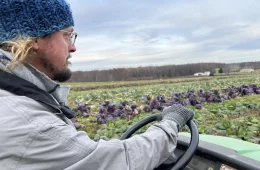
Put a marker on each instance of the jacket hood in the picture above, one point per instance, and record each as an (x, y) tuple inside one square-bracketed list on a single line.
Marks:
[(31, 74)]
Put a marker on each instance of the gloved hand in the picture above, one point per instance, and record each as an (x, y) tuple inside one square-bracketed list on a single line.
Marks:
[(177, 113)]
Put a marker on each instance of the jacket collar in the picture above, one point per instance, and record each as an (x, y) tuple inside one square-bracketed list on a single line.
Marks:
[(31, 74)]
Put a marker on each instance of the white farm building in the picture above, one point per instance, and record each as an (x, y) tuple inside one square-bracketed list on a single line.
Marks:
[(206, 73), (247, 70)]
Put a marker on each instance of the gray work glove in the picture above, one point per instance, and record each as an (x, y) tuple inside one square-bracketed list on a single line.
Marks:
[(177, 113)]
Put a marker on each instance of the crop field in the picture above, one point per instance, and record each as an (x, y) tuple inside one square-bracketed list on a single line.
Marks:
[(223, 105)]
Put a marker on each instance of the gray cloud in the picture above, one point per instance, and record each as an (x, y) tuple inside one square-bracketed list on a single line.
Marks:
[(138, 33)]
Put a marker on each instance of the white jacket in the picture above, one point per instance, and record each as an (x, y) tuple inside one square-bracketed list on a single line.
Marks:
[(32, 137)]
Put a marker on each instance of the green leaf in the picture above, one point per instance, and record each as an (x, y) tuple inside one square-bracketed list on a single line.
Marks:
[(226, 124), (101, 132), (253, 128), (201, 129), (254, 120), (213, 110), (220, 126), (241, 131), (115, 136), (123, 129), (96, 137), (231, 106), (229, 131)]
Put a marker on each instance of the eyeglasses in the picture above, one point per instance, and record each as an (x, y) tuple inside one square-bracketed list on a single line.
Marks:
[(71, 36)]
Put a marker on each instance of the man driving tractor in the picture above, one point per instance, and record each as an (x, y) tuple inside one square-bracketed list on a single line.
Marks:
[(36, 40)]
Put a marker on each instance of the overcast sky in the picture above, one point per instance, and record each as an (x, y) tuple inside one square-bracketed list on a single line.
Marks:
[(132, 33)]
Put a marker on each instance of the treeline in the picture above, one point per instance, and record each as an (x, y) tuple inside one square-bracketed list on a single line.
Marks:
[(157, 72)]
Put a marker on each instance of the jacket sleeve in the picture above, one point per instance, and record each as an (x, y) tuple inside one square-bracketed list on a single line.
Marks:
[(74, 150), (43, 141), (140, 152)]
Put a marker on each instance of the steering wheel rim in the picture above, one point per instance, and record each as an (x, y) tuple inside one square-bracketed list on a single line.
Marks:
[(185, 158)]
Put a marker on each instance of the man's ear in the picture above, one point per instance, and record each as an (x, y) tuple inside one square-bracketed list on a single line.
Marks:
[(35, 44)]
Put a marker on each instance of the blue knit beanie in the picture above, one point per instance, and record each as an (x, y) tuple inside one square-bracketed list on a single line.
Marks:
[(33, 18)]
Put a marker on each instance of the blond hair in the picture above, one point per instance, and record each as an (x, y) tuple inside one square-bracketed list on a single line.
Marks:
[(21, 49)]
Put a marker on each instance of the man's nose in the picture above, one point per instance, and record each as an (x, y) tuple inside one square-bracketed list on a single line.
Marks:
[(72, 49)]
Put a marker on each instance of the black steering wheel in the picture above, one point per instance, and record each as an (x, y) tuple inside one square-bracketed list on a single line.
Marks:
[(183, 160)]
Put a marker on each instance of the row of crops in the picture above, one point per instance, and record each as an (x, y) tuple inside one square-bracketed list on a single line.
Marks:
[(226, 107)]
